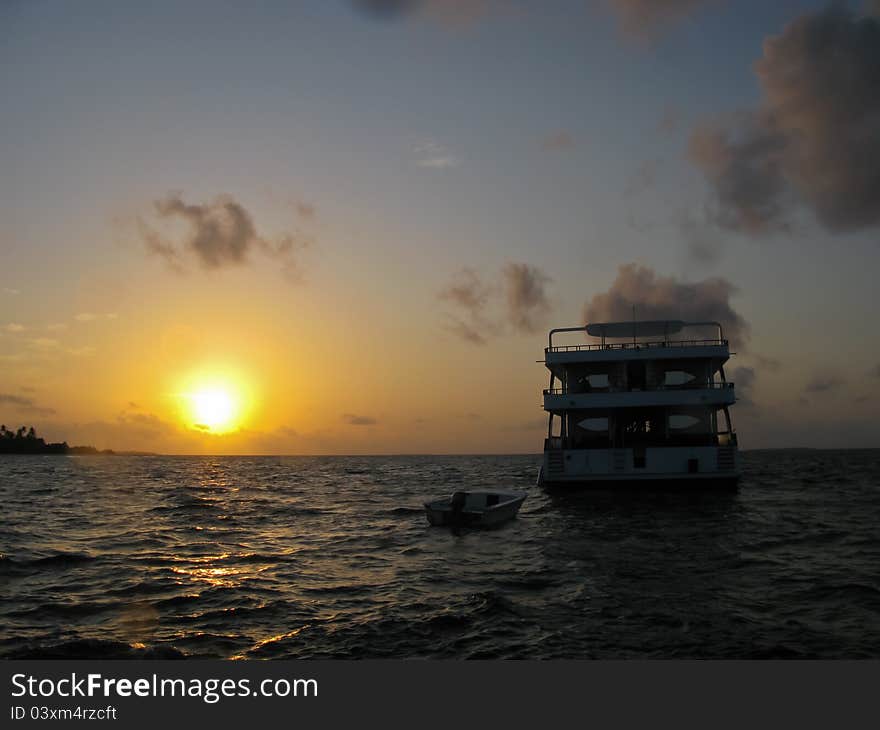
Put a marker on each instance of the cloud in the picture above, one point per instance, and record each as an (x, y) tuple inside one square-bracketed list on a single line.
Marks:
[(665, 297), (305, 210), (91, 316), (220, 234), (12, 292), (353, 419), (22, 404), (448, 13), (526, 295), (823, 383), (815, 138), (646, 17), (468, 291), (875, 371), (768, 363), (44, 343), (701, 243), (432, 154), (643, 178), (56, 326), (744, 380), (516, 301), (467, 332), (560, 140), (15, 327)]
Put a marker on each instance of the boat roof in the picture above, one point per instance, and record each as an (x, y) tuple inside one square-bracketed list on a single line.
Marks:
[(644, 328)]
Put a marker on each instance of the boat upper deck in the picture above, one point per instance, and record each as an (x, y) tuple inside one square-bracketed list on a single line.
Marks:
[(646, 340)]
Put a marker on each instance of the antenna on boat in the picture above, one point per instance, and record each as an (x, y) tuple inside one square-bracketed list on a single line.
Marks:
[(634, 324)]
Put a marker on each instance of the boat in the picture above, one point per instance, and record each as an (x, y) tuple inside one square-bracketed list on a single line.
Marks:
[(474, 508), (644, 404)]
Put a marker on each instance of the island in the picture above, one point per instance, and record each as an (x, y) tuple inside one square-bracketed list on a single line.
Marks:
[(26, 441)]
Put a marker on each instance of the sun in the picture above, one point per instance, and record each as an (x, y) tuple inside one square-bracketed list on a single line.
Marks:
[(214, 408)]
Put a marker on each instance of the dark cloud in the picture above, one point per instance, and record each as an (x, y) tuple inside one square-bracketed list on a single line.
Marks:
[(646, 17), (745, 171), (467, 291), (469, 294), (743, 379), (518, 301), (643, 178), (23, 404), (814, 139), (670, 121), (664, 297), (220, 234), (526, 296), (451, 13), (305, 210), (386, 9), (354, 420), (467, 332), (823, 383), (768, 363), (560, 140)]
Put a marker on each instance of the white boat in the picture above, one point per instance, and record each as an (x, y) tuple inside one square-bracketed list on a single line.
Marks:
[(474, 508), (643, 406)]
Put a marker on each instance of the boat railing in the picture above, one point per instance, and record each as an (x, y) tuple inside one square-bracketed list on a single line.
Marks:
[(686, 386), (639, 345), (721, 439)]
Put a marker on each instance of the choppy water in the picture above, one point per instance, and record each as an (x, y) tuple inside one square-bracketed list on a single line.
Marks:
[(332, 557)]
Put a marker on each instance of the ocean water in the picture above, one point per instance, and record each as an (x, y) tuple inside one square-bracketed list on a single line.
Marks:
[(300, 557)]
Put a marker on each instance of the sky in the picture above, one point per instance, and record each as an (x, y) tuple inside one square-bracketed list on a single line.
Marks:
[(346, 226)]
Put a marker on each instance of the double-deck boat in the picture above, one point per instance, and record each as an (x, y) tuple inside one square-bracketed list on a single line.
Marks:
[(641, 406)]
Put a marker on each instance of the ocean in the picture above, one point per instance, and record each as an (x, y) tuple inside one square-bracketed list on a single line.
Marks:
[(323, 557)]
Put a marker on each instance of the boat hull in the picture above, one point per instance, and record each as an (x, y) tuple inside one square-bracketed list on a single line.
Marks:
[(646, 482)]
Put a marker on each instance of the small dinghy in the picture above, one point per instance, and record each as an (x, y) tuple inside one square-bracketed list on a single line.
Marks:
[(474, 508)]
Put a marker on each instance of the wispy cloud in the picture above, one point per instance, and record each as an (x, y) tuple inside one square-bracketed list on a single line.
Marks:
[(11, 291), (23, 404), (304, 210), (451, 14), (560, 140), (645, 18), (91, 316), (824, 383), (516, 300), (15, 327), (744, 379), (352, 419), (430, 153)]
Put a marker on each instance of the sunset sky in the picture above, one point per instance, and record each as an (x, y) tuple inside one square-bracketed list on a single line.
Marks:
[(355, 221)]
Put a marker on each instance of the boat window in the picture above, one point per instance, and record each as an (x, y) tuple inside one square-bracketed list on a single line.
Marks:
[(599, 380), (677, 377), (681, 421), (594, 424)]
